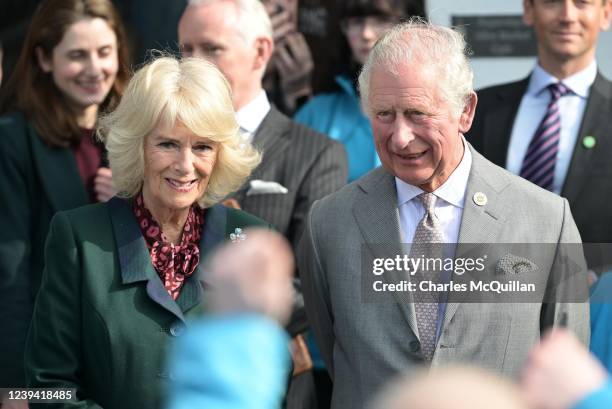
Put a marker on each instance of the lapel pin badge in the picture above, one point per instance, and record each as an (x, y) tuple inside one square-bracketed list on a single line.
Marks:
[(237, 236), (589, 142), (480, 198)]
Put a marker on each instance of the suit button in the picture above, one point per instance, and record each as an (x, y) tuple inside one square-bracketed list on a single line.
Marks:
[(415, 346), (177, 329)]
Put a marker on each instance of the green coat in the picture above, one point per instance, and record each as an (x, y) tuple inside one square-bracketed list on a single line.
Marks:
[(35, 182), (103, 318)]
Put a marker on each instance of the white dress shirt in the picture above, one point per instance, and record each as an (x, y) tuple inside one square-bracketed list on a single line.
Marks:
[(250, 116), (449, 203), (532, 109)]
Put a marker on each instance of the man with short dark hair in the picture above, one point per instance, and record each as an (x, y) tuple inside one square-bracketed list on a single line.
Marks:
[(553, 128)]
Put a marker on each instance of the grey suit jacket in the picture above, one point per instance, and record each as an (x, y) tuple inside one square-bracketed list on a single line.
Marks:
[(307, 163), (364, 344), (587, 185)]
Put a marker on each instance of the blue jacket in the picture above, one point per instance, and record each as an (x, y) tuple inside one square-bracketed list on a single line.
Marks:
[(599, 399), (601, 320), (339, 115), (229, 362)]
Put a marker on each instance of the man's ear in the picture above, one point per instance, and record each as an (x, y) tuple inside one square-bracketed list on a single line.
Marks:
[(467, 116), (43, 61), (606, 17), (528, 12), (264, 46)]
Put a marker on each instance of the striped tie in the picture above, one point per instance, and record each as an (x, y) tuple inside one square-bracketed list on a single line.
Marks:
[(539, 163)]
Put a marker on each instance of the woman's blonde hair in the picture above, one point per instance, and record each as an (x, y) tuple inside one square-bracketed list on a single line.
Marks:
[(193, 92)]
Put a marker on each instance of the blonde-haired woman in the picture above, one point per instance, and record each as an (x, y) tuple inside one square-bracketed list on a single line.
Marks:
[(122, 277)]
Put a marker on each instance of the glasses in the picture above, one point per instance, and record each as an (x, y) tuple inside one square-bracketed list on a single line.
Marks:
[(356, 25)]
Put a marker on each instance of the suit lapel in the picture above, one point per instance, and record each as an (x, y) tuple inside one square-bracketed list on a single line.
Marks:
[(271, 138), (500, 121), (595, 122), (134, 258), (214, 233), (59, 174), (135, 261), (377, 216), (480, 225)]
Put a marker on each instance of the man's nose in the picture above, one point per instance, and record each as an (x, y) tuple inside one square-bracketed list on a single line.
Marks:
[(568, 10), (403, 134), (368, 32)]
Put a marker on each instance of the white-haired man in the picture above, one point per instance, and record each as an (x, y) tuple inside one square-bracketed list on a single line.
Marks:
[(433, 187), (299, 165)]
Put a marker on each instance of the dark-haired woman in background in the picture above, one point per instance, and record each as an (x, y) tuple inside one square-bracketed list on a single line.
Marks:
[(338, 113), (73, 64)]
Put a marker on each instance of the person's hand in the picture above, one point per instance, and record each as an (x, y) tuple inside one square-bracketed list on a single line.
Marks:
[(293, 60), (103, 185), (282, 19), (253, 275), (560, 372), (231, 202)]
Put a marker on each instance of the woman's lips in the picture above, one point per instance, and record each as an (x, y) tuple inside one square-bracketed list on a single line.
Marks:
[(181, 186)]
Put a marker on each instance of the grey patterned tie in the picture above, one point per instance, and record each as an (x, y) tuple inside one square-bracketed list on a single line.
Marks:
[(428, 231)]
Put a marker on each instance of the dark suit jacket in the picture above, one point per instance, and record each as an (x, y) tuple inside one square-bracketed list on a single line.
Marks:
[(587, 185), (35, 182), (309, 164), (103, 318)]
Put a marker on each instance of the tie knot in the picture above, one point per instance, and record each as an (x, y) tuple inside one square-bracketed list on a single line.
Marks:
[(429, 202), (557, 90)]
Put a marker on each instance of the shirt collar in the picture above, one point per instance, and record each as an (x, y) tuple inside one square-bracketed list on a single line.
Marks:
[(452, 190), (250, 116), (579, 83)]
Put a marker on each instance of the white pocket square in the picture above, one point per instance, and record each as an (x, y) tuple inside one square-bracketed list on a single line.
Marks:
[(259, 187)]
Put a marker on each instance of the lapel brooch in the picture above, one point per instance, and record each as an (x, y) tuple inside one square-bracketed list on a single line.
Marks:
[(237, 236), (589, 142)]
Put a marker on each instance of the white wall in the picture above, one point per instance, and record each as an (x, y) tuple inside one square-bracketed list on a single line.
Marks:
[(488, 71)]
